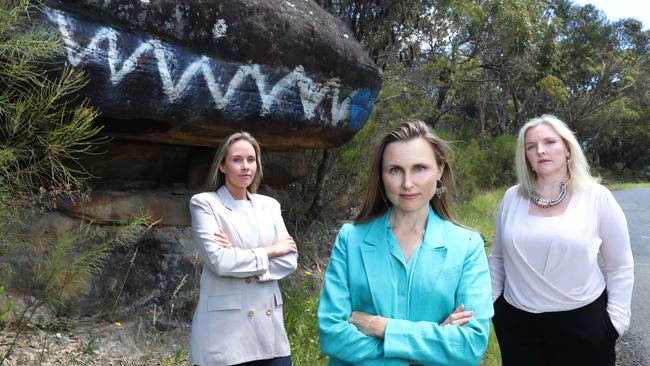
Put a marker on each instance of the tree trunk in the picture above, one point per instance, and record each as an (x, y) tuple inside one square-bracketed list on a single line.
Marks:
[(317, 204)]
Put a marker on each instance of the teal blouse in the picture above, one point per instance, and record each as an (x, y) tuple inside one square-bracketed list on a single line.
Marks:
[(401, 275)]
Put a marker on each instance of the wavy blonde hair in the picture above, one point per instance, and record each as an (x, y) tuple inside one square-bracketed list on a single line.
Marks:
[(216, 178), (579, 173), (375, 203)]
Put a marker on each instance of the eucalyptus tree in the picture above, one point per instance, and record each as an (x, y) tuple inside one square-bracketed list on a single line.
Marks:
[(396, 34), (592, 65), (617, 134), (384, 27)]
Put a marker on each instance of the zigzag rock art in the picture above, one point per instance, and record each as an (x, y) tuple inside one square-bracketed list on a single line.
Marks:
[(190, 72), (172, 78)]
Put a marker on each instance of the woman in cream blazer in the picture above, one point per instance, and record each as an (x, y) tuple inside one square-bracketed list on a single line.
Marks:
[(245, 249)]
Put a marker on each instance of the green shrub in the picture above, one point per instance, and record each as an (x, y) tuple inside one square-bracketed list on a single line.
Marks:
[(478, 169), (480, 213)]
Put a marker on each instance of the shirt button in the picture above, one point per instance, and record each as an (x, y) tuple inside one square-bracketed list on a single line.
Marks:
[(269, 312), (251, 312), (248, 280)]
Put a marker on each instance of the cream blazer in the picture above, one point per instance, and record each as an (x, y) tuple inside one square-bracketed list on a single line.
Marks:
[(238, 317)]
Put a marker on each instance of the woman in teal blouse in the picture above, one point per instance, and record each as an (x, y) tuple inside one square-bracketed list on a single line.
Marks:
[(406, 284)]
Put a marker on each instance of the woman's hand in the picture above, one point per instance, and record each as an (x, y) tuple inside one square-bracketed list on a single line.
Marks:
[(281, 247), (222, 239), (370, 325), (459, 317)]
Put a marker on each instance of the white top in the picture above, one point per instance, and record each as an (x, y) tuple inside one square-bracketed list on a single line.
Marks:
[(544, 264), (244, 208)]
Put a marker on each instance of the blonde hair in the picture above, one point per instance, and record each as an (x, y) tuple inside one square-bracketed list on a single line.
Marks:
[(375, 203), (216, 178), (579, 172)]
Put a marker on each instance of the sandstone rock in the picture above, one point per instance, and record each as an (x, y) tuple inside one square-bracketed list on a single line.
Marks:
[(189, 72), (129, 165), (105, 207)]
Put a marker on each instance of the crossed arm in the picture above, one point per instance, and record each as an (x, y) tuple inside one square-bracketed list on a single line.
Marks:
[(375, 325), (218, 253), (363, 338)]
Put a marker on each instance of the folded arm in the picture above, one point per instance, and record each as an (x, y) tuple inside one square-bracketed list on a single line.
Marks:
[(339, 338), (430, 342), (285, 259), (230, 262)]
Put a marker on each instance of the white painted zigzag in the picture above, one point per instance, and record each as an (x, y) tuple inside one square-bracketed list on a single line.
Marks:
[(311, 93)]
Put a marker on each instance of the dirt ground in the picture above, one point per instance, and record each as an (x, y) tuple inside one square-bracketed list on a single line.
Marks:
[(99, 342)]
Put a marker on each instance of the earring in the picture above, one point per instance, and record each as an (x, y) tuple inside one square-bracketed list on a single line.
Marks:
[(440, 189)]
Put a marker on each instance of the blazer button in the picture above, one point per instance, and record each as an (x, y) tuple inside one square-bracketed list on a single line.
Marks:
[(248, 280), (269, 312), (251, 312)]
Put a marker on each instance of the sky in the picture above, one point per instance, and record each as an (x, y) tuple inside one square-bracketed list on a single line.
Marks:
[(617, 9)]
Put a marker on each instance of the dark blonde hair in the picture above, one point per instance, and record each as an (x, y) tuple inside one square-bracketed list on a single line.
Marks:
[(216, 178), (375, 203)]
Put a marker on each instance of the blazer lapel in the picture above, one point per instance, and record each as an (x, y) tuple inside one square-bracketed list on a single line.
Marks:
[(376, 261), (434, 249), (264, 219)]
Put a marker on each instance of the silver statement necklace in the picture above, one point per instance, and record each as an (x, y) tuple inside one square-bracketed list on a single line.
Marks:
[(543, 202)]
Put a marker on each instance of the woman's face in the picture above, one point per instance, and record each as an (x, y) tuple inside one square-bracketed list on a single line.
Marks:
[(240, 165), (546, 151), (409, 173)]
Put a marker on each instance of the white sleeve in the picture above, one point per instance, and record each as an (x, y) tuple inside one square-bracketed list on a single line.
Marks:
[(281, 266), (617, 257), (495, 260)]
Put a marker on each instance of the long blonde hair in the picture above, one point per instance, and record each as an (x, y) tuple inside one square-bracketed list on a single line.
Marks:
[(375, 203), (216, 178), (579, 172)]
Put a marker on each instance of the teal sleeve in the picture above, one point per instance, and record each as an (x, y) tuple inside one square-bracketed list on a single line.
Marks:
[(430, 343), (340, 339)]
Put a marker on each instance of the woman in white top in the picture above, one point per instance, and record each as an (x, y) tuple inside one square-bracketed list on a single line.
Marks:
[(245, 249), (553, 304)]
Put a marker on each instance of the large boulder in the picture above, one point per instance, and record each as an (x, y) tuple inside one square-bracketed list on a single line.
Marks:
[(191, 72), (173, 78)]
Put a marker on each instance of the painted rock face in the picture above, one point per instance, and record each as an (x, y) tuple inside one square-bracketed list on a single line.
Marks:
[(191, 72)]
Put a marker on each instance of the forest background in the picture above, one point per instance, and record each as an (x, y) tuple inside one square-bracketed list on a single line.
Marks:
[(475, 70)]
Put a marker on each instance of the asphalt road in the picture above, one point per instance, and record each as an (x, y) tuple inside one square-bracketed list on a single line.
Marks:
[(633, 349)]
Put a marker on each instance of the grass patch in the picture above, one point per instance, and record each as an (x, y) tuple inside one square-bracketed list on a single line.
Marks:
[(621, 186), (492, 356), (300, 306), (480, 213)]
